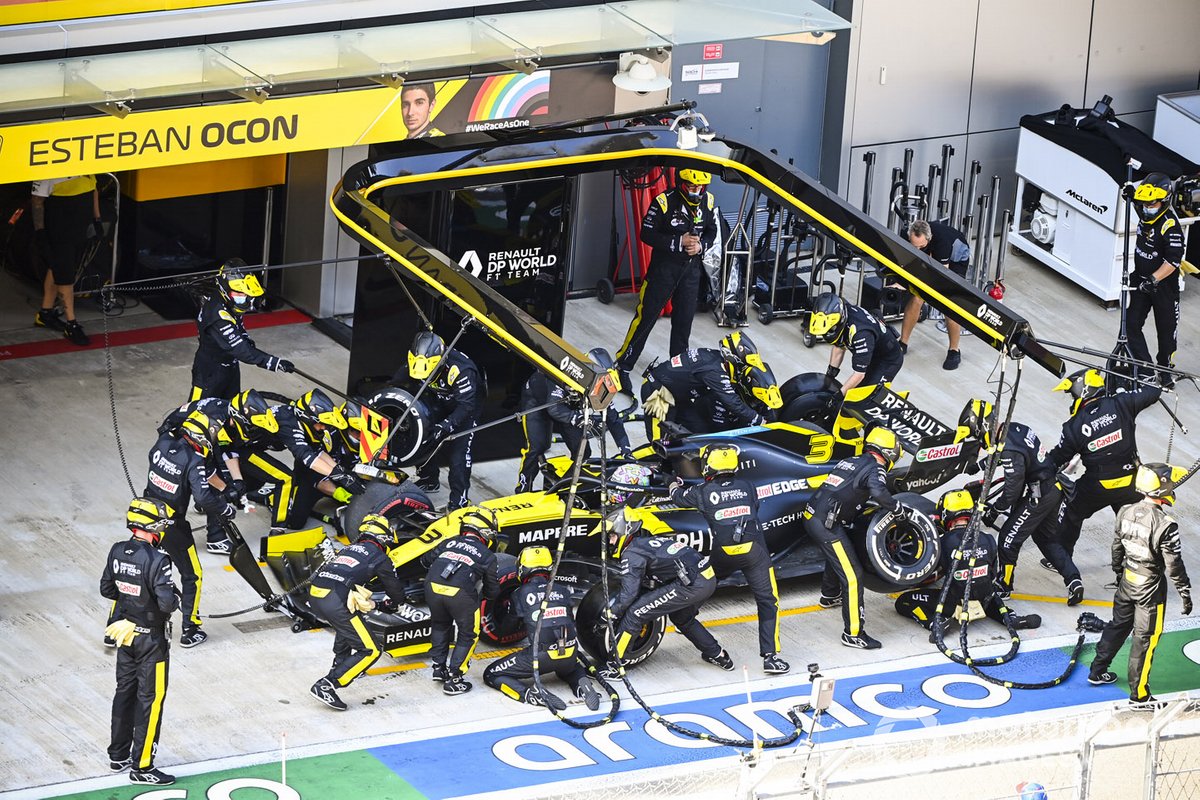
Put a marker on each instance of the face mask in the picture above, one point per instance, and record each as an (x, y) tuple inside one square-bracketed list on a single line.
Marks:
[(695, 196)]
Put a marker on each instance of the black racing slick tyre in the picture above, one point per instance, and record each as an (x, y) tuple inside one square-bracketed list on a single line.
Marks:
[(806, 398), (900, 549), (408, 444), (594, 634), (405, 504), (498, 623)]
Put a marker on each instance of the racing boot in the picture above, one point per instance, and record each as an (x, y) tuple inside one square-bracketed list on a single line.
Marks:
[(152, 776), (323, 690), (192, 637), (120, 766), (861, 642), (439, 674), (591, 698), (1075, 592), (825, 601), (933, 632), (221, 547), (1026, 622), (1148, 703), (1101, 678), (455, 684), (535, 697), (774, 665), (721, 660)]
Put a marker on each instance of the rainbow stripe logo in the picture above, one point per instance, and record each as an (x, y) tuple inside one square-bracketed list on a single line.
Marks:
[(508, 96)]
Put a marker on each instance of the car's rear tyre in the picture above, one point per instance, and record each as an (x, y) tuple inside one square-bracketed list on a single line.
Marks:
[(400, 503), (899, 550), (498, 623), (593, 631)]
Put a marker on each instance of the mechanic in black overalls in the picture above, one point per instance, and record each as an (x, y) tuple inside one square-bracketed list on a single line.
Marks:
[(462, 573), (339, 595), (558, 641), (947, 246), (680, 226), (1145, 552), (729, 505), (1030, 495), (178, 474), (680, 580), (568, 415), (836, 504), (875, 355), (1102, 431), (223, 341), (306, 429), (241, 421), (137, 578), (669, 387), (955, 509), (1157, 254), (454, 402)]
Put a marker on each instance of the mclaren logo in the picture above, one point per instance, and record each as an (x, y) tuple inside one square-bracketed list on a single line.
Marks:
[(1074, 195)]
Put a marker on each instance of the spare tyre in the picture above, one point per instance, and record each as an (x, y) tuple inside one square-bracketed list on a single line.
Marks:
[(806, 398), (410, 423), (498, 622), (593, 631), (902, 548)]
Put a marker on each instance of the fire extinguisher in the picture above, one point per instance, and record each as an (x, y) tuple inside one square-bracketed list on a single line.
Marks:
[(996, 290)]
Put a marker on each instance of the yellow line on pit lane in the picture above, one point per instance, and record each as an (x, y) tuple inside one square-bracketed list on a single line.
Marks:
[(1040, 598)]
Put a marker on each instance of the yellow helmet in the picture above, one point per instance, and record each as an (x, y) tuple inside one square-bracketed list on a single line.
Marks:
[(719, 459), (482, 522), (1155, 188), (148, 514), (695, 176), (237, 284), (828, 317), (884, 442), (425, 354), (380, 528), (954, 507), (533, 560), (1083, 386), (1159, 480)]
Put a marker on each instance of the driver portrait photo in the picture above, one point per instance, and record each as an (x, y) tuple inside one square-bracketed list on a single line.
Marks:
[(417, 104)]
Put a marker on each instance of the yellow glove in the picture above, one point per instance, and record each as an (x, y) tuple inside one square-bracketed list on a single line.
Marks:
[(122, 632), (359, 600), (659, 403)]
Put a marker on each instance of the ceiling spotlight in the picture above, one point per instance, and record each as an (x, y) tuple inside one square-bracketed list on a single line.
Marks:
[(691, 128), (637, 74)]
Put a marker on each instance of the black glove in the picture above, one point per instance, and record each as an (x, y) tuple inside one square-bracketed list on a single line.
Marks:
[(347, 480), (283, 365), (973, 468), (1148, 287), (439, 432), (832, 371), (1186, 596), (387, 605), (832, 403), (627, 452), (234, 491), (229, 511)]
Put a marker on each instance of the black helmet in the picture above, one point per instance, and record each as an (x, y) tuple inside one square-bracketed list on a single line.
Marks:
[(534, 561), (250, 410), (353, 413), (1156, 188), (425, 354), (828, 317), (148, 514), (238, 285), (482, 522), (979, 418), (316, 407), (883, 441), (379, 528), (738, 348), (955, 507), (1083, 385), (199, 432), (758, 384)]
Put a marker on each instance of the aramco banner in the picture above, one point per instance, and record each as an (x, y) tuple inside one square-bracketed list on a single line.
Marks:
[(296, 124)]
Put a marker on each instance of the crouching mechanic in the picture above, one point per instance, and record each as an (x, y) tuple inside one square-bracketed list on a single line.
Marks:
[(340, 596), (460, 567), (671, 387), (1030, 495), (730, 507), (137, 577), (680, 579), (223, 341), (955, 510), (836, 504), (455, 402), (1145, 552), (557, 640)]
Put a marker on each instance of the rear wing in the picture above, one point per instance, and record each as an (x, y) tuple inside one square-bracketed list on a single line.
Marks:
[(482, 159)]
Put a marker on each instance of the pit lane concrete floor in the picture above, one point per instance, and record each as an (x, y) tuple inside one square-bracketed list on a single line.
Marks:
[(64, 494)]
